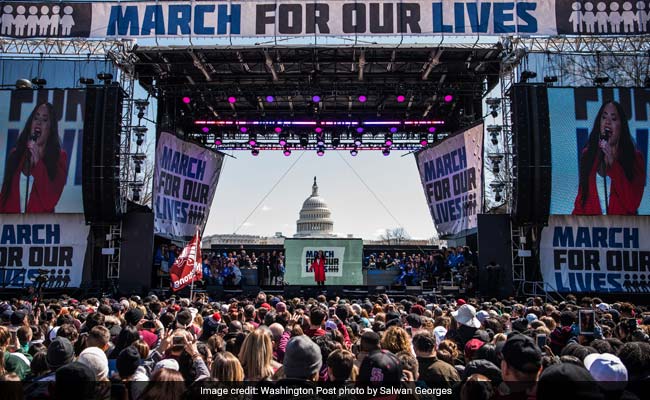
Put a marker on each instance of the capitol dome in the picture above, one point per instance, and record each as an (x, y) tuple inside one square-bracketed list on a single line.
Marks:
[(315, 217)]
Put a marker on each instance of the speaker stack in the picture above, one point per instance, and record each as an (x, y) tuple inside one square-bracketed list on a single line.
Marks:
[(532, 158), (101, 149)]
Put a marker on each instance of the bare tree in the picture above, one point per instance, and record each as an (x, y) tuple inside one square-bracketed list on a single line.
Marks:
[(400, 235), (387, 236)]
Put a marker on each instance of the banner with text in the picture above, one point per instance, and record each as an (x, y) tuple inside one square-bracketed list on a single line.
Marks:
[(185, 179), (41, 143), (452, 177), (45, 249), (342, 261), (596, 254), (214, 18)]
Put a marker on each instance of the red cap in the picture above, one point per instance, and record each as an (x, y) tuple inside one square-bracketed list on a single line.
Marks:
[(266, 305), (461, 302), (216, 316)]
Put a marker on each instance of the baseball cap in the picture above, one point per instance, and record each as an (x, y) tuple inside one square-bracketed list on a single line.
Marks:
[(554, 380), (380, 366), (521, 353), (608, 370)]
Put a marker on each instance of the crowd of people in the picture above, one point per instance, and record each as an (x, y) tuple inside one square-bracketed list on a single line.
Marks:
[(150, 348), (225, 268)]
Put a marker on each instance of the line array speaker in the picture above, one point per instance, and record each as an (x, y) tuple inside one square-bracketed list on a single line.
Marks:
[(101, 148), (532, 158)]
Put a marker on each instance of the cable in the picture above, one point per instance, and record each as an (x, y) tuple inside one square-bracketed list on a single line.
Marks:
[(270, 191)]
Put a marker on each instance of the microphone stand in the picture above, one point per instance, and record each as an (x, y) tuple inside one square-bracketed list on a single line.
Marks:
[(29, 174)]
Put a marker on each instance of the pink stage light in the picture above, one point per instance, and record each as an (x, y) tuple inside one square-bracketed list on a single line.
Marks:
[(232, 100), (243, 129), (218, 141), (362, 99), (432, 129), (319, 129), (286, 152), (205, 129), (400, 99), (320, 152), (282, 141), (186, 100), (449, 98), (386, 152), (277, 129)]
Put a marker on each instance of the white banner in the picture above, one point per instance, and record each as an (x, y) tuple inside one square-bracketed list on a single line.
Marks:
[(49, 246), (452, 177), (268, 18), (596, 254), (334, 257), (185, 179)]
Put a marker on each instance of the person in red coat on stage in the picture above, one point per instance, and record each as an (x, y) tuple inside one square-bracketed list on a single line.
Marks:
[(318, 266), (36, 169), (610, 153)]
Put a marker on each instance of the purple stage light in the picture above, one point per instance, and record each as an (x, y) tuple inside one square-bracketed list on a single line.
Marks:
[(319, 129), (277, 129), (205, 129), (393, 130), (255, 152), (449, 98), (362, 99), (283, 142), (388, 142), (270, 99), (243, 129), (432, 129), (320, 152), (400, 99), (359, 130), (385, 152), (316, 99), (286, 152), (354, 152), (186, 100), (218, 141), (357, 142), (424, 142), (232, 100)]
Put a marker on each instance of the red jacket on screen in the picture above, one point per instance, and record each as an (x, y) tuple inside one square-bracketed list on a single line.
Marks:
[(624, 195), (45, 193)]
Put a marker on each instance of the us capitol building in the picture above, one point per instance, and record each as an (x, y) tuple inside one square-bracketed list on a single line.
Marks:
[(315, 217)]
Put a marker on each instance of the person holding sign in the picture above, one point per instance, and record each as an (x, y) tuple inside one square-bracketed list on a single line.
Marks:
[(36, 169), (318, 267), (611, 154)]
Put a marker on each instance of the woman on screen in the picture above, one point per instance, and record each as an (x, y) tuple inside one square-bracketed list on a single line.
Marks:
[(318, 267), (35, 170), (612, 175)]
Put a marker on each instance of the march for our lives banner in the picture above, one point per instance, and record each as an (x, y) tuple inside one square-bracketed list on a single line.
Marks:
[(49, 246), (211, 18), (185, 180), (452, 177), (596, 254)]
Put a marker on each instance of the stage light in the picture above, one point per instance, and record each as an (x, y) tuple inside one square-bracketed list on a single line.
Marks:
[(304, 140), (496, 161), (320, 141), (186, 100), (270, 99), (385, 152), (362, 99), (494, 131), (497, 188), (388, 139), (526, 75), (252, 139), (282, 139), (432, 129), (359, 130), (87, 81), (336, 140), (550, 79), (600, 80), (232, 100), (424, 139), (448, 98), (205, 129), (105, 77), (316, 99), (286, 152), (354, 152), (255, 152), (393, 130), (218, 139), (277, 129), (243, 129), (358, 141), (401, 98), (318, 129), (40, 82), (23, 84), (136, 194), (320, 151)]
